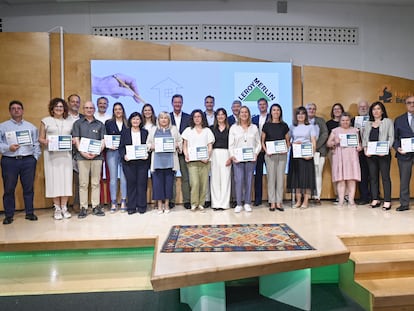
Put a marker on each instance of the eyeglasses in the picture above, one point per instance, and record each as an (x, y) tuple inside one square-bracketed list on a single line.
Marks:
[(409, 103)]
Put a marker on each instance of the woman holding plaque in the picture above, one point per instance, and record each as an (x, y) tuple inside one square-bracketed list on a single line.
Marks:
[(301, 176), (244, 146), (220, 181), (345, 146), (55, 136), (135, 163), (379, 131), (114, 127), (275, 135), (164, 160), (197, 146)]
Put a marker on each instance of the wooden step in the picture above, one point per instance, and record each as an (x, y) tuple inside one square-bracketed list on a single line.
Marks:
[(383, 263), (378, 242), (390, 293)]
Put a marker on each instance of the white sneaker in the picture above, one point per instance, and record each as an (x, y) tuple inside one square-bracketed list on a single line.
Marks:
[(58, 213), (193, 208), (201, 207), (65, 212), (238, 209), (247, 208)]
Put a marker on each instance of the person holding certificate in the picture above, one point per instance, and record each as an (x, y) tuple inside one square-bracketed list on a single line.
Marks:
[(345, 146), (114, 127), (301, 176), (135, 163), (55, 136), (165, 142), (377, 140), (197, 146), (19, 146), (275, 142), (244, 146), (220, 162), (403, 145), (89, 134)]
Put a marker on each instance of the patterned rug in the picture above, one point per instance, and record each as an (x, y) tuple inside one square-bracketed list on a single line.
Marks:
[(233, 238)]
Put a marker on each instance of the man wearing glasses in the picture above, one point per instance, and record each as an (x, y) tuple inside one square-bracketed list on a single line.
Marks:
[(404, 128)]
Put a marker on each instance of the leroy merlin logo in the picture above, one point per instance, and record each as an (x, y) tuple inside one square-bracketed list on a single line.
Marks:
[(256, 90)]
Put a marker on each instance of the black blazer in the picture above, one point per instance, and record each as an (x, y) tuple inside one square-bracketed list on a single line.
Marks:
[(402, 129), (112, 128), (126, 139), (185, 121)]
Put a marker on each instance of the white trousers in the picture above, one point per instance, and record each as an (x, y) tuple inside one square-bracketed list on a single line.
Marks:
[(318, 176), (220, 179)]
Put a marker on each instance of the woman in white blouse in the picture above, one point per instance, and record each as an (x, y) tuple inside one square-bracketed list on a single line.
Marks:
[(198, 135), (244, 135)]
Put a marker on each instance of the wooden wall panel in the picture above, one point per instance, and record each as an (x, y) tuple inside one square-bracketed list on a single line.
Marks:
[(79, 50), (326, 86), (24, 75)]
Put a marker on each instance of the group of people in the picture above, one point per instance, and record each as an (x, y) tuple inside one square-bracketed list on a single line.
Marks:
[(217, 155)]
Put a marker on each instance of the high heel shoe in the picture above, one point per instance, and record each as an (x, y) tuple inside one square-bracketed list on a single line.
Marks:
[(386, 208), (376, 205)]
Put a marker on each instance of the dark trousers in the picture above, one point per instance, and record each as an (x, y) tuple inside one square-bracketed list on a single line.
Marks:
[(258, 178), (136, 174), (12, 168), (405, 167), (364, 186), (377, 165), (162, 184)]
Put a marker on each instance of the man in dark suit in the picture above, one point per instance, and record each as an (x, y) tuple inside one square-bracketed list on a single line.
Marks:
[(404, 128), (181, 120), (260, 120), (235, 108)]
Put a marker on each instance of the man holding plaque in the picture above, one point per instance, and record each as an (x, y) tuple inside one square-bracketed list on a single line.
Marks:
[(20, 149), (403, 145), (88, 134)]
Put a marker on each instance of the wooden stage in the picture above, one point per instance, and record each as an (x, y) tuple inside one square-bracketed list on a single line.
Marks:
[(321, 226)]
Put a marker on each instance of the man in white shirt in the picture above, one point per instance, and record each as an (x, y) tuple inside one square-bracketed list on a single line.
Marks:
[(209, 113), (102, 104)]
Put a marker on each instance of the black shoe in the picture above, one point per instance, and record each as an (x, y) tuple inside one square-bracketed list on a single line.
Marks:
[(171, 205), (132, 211), (258, 203), (97, 211), (233, 204), (31, 217), (83, 213), (187, 205), (218, 209), (403, 208), (7, 220), (207, 204), (376, 205), (363, 202)]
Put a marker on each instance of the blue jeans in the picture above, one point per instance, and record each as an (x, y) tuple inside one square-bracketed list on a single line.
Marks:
[(243, 174), (113, 161)]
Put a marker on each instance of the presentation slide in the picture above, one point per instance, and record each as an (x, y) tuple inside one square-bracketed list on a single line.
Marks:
[(134, 83)]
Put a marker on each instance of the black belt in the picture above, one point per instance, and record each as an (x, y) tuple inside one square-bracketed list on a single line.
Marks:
[(19, 157)]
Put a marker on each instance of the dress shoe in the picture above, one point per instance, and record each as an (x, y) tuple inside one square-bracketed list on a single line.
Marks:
[(132, 211), (403, 208), (171, 205), (207, 204), (7, 220), (187, 205), (257, 203), (363, 202), (31, 217), (233, 204)]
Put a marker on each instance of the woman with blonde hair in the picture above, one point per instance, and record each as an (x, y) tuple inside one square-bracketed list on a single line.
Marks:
[(164, 163)]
